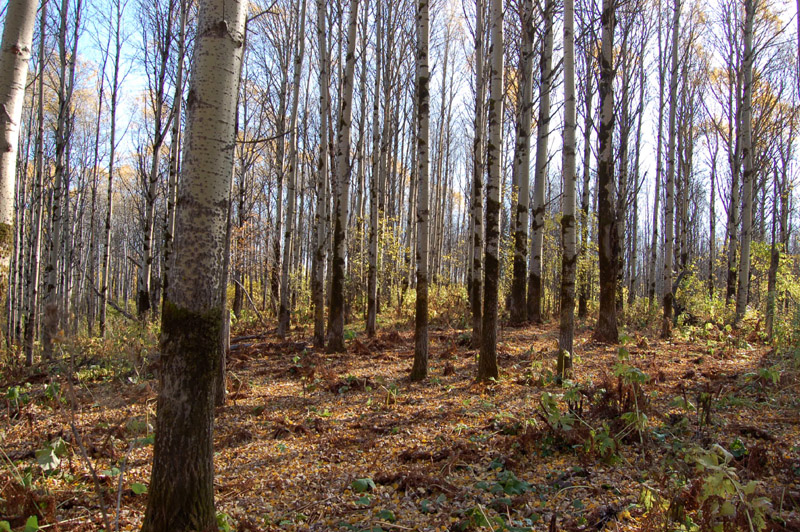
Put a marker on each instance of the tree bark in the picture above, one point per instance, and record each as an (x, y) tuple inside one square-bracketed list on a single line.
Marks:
[(420, 368), (522, 151), (669, 213), (114, 99), (748, 174), (320, 243), (291, 187), (535, 287), (375, 189), (476, 212), (487, 360), (588, 125), (14, 57), (336, 332), (181, 492), (569, 257), (606, 329), (32, 303)]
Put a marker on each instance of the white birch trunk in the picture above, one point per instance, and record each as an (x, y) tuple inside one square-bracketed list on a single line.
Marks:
[(540, 176), (182, 482), (476, 212), (420, 368), (522, 163), (320, 217), (487, 360), (374, 188), (291, 186), (748, 175), (568, 235), (14, 57), (669, 235), (336, 332)]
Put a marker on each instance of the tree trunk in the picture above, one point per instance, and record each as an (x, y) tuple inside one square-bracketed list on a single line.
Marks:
[(106, 263), (32, 303), (181, 491), (14, 57), (476, 212), (420, 368), (606, 330), (53, 289), (174, 148), (291, 187), (569, 257), (585, 277), (374, 188), (666, 290), (336, 332), (522, 151), (748, 174), (535, 287), (487, 360), (320, 217)]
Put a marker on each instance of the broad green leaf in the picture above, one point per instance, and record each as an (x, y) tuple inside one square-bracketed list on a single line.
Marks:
[(32, 524), (138, 488), (362, 485), (727, 509)]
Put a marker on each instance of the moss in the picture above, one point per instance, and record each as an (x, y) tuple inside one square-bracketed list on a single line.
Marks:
[(194, 336), (6, 238), (181, 488)]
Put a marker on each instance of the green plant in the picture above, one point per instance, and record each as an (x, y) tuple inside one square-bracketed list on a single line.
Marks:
[(724, 498), (49, 457), (223, 523), (553, 416)]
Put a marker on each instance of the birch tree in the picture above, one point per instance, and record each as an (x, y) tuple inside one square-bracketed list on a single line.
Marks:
[(420, 369), (654, 242), (669, 201), (14, 57), (606, 329), (540, 177), (320, 243), (291, 187), (53, 285), (748, 175), (105, 267), (158, 37), (32, 299), (343, 169), (181, 491), (568, 236), (375, 186), (522, 151), (487, 360), (476, 212)]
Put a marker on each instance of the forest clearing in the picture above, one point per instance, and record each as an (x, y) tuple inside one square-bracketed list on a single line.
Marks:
[(315, 441)]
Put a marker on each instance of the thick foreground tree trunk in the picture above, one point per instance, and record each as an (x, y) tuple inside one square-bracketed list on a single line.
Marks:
[(476, 212), (14, 57), (181, 494), (487, 361), (669, 201), (522, 158), (420, 369), (606, 330), (748, 175), (568, 234), (336, 332)]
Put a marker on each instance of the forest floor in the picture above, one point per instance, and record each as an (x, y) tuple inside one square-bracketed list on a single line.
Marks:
[(690, 434)]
